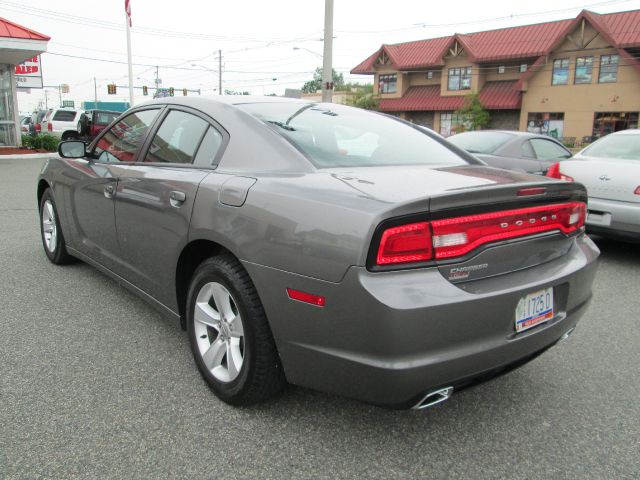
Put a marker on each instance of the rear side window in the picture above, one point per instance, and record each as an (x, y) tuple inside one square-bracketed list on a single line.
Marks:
[(103, 118), (64, 116), (480, 142), (177, 138), (548, 150), (121, 141), (208, 148)]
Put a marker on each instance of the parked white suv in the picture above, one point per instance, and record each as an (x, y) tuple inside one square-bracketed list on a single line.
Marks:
[(62, 122)]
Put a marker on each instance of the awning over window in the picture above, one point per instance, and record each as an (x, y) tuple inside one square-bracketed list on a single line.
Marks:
[(494, 96)]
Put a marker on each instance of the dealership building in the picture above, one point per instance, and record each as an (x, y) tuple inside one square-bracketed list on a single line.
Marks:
[(20, 48), (575, 79)]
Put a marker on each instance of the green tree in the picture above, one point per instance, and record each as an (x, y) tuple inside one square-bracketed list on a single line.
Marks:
[(362, 96), (312, 86), (473, 114)]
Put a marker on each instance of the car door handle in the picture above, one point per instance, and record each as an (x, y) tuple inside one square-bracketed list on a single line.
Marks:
[(109, 190), (176, 198)]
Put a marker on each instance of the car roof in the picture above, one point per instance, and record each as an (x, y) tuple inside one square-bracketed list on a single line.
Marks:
[(630, 131)]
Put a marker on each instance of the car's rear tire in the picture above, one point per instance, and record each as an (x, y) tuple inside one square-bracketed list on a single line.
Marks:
[(70, 135), (83, 125), (51, 232), (230, 338)]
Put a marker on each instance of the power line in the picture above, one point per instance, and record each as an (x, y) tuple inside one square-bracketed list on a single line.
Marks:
[(475, 22)]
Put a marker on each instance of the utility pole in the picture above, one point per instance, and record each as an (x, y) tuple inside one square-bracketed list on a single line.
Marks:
[(157, 77), (327, 68), (95, 93), (60, 94), (129, 60), (219, 72), (46, 99)]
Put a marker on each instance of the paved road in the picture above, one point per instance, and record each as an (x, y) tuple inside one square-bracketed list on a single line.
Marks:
[(95, 384)]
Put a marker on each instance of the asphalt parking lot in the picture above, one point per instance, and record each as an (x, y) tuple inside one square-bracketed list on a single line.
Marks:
[(95, 384)]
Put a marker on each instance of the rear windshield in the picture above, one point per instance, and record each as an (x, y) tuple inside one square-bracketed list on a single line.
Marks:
[(480, 142), (339, 136), (64, 116), (626, 147), (105, 118)]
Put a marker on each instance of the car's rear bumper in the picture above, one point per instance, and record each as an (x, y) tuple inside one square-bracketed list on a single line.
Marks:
[(611, 217), (388, 338)]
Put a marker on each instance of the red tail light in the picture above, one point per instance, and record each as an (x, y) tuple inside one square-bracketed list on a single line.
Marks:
[(38, 127), (50, 127), (404, 244), (554, 172), (455, 237), (637, 190)]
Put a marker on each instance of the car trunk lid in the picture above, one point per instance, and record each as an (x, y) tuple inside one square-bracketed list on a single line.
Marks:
[(608, 179)]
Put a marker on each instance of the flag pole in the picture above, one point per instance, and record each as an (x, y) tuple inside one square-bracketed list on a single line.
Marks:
[(127, 10)]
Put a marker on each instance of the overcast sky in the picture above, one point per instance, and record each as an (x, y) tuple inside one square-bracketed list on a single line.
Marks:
[(257, 38)]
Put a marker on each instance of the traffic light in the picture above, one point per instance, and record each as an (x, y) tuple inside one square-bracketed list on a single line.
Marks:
[(171, 91), (111, 89), (184, 92), (145, 90)]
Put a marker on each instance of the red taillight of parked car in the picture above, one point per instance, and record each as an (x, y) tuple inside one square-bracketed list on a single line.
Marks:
[(50, 127), (456, 237), (554, 172), (405, 244), (38, 127), (637, 190)]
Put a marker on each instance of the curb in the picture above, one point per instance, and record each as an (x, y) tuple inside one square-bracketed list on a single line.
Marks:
[(27, 156)]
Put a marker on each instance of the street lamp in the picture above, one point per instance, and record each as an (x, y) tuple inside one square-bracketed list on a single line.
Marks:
[(215, 72)]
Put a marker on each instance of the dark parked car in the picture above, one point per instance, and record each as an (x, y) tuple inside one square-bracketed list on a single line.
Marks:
[(91, 123), (322, 245), (519, 151)]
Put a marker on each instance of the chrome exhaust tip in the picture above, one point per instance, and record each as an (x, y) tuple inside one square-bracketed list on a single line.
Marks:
[(566, 335), (434, 398)]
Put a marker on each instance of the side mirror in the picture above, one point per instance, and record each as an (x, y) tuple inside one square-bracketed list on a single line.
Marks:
[(72, 149)]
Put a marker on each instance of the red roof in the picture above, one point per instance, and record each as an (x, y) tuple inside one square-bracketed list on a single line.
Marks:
[(527, 41), (13, 30), (494, 96)]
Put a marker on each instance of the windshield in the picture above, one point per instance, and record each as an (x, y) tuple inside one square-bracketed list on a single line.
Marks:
[(338, 136), (626, 147), (480, 142)]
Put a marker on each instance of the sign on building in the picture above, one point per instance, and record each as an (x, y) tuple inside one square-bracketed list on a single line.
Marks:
[(29, 73)]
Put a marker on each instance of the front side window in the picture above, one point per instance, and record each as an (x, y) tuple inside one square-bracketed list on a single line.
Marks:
[(560, 72), (388, 83), (341, 136), (121, 142), (608, 69), (584, 67), (177, 138), (459, 78)]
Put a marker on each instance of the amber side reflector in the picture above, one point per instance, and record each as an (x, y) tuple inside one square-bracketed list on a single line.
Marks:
[(316, 300)]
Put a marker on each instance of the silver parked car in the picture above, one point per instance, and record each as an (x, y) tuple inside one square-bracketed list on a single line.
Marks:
[(519, 151), (322, 245), (610, 169)]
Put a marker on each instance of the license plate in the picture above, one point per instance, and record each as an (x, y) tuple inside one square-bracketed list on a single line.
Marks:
[(534, 309)]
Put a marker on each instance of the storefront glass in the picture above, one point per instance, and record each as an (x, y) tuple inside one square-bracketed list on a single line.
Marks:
[(605, 123), (7, 119)]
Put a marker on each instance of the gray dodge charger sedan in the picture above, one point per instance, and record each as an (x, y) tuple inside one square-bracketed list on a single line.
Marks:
[(322, 245)]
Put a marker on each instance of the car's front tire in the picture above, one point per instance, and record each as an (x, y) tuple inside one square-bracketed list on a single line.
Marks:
[(51, 232), (230, 338)]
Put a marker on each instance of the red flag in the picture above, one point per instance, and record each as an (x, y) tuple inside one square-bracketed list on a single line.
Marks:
[(127, 8)]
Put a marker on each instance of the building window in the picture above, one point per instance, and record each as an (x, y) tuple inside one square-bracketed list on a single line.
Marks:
[(7, 120), (460, 78), (429, 75), (450, 124), (605, 123), (584, 67), (560, 72), (388, 83), (608, 69), (501, 69), (523, 68), (546, 123)]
